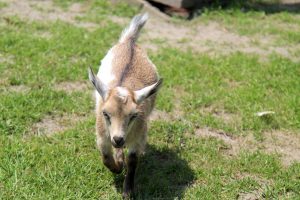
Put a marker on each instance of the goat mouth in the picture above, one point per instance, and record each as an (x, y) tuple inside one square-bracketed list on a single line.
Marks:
[(117, 145)]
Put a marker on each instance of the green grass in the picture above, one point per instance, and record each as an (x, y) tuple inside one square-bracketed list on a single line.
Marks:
[(258, 23), (178, 164), (3, 4), (238, 84)]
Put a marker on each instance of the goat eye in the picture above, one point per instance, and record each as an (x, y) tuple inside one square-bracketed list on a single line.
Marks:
[(106, 116), (132, 117)]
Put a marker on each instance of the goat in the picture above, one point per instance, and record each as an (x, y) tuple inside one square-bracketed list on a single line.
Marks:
[(126, 86)]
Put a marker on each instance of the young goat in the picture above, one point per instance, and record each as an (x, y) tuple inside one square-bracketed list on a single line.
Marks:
[(126, 87)]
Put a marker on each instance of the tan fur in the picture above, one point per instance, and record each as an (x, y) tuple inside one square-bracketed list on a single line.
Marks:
[(116, 110), (141, 73)]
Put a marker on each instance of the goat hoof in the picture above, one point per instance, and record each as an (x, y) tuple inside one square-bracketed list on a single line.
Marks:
[(116, 171)]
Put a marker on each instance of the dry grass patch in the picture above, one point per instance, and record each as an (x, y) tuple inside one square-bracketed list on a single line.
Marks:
[(285, 144), (258, 192), (52, 124), (158, 115), (232, 147), (43, 34), (6, 59), (253, 195), (18, 88), (212, 38), (221, 114), (46, 11), (160, 32), (70, 87)]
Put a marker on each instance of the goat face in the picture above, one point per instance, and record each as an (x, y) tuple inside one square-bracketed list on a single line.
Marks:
[(120, 112), (121, 107)]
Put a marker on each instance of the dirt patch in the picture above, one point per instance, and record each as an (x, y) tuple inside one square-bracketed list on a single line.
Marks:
[(254, 194), (55, 124), (119, 20), (34, 10), (221, 114), (224, 116), (232, 147), (211, 38), (158, 115), (160, 31), (207, 132), (285, 144), (77, 8), (46, 11), (6, 59), (70, 87), (18, 88), (44, 35)]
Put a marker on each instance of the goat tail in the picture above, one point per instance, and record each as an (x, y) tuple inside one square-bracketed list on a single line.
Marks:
[(133, 30)]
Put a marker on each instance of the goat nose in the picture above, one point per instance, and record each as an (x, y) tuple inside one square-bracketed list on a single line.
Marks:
[(119, 140)]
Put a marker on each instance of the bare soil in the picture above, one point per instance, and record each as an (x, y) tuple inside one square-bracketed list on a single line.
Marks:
[(18, 88), (219, 113), (70, 87), (6, 59), (54, 124), (36, 10), (158, 115), (160, 32), (283, 143)]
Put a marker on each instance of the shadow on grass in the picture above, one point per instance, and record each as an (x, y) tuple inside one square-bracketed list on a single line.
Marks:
[(161, 174)]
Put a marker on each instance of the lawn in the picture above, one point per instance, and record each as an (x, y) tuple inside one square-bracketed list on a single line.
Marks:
[(205, 139)]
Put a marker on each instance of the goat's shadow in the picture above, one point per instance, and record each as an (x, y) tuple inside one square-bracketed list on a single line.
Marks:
[(161, 174)]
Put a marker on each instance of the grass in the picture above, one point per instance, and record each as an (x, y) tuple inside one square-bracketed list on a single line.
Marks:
[(3, 4), (178, 163), (253, 23)]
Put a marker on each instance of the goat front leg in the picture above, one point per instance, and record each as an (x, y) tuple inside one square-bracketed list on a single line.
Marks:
[(132, 161), (113, 163), (136, 147)]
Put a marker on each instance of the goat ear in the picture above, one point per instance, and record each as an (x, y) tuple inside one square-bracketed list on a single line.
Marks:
[(142, 94), (98, 84)]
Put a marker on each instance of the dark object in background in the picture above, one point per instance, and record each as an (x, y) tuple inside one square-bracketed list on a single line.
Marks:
[(190, 4), (189, 9), (183, 8)]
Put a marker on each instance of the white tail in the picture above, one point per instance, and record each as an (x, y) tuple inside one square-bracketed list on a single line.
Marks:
[(133, 30)]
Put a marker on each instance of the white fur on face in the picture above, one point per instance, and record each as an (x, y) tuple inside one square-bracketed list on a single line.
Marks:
[(122, 91)]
